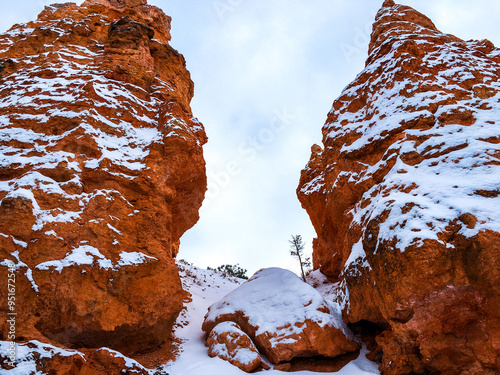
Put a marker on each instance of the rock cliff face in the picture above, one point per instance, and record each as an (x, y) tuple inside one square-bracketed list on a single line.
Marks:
[(101, 172), (404, 196)]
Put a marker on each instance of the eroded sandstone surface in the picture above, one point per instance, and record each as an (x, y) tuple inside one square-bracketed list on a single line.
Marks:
[(101, 172), (404, 196)]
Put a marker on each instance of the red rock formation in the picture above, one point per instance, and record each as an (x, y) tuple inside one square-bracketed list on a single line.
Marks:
[(403, 197), (101, 172), (36, 357), (285, 317), (229, 342)]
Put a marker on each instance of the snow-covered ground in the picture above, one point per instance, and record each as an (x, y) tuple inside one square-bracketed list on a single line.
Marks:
[(206, 288)]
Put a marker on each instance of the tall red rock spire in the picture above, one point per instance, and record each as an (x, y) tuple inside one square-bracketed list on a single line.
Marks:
[(101, 172), (402, 193)]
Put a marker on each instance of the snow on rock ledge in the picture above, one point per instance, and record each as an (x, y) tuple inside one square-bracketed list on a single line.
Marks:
[(285, 317)]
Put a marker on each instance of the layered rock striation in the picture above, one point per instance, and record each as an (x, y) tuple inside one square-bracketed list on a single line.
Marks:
[(404, 197), (101, 172)]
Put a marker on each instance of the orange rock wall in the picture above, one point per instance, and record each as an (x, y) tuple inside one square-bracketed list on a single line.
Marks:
[(402, 196), (101, 172)]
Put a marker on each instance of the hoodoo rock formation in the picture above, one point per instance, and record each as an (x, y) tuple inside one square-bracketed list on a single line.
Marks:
[(405, 194), (101, 172)]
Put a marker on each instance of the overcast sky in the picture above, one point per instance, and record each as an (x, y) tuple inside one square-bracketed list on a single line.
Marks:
[(266, 73)]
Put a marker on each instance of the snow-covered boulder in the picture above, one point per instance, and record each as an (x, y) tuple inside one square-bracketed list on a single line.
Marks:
[(229, 342), (285, 317)]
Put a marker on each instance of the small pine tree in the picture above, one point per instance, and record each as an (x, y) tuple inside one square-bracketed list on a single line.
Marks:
[(231, 270), (297, 251)]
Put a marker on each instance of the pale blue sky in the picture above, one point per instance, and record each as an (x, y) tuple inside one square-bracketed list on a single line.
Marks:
[(266, 73)]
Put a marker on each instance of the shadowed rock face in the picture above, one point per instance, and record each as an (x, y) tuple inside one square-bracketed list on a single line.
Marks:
[(402, 196), (101, 172)]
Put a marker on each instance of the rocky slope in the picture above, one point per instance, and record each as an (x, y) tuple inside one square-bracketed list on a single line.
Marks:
[(101, 172), (404, 197)]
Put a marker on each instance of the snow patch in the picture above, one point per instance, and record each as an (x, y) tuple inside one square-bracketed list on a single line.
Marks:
[(82, 255), (88, 255), (133, 258)]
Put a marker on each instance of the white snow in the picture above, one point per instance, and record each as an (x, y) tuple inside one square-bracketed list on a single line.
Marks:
[(20, 265), (53, 233), (114, 229), (78, 91), (129, 362), (317, 184), (122, 144), (82, 255), (25, 356), (205, 287), (133, 258), (87, 255), (357, 259)]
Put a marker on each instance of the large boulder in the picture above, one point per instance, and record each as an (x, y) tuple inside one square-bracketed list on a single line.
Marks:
[(285, 317), (101, 173), (227, 341), (404, 192)]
